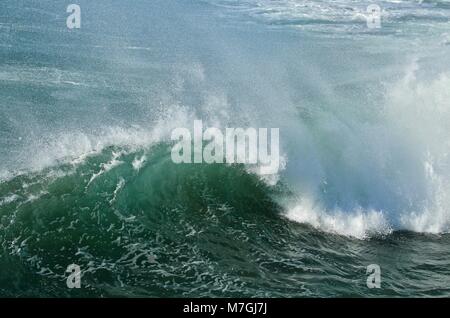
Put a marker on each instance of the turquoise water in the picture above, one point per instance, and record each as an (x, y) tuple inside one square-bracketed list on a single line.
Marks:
[(86, 175)]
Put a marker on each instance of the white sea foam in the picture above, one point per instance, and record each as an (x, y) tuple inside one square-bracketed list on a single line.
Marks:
[(421, 108), (359, 223), (396, 169), (338, 15), (119, 187), (105, 167), (8, 199), (139, 162), (76, 147)]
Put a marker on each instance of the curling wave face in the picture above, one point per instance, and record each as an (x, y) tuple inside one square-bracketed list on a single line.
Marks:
[(143, 226)]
